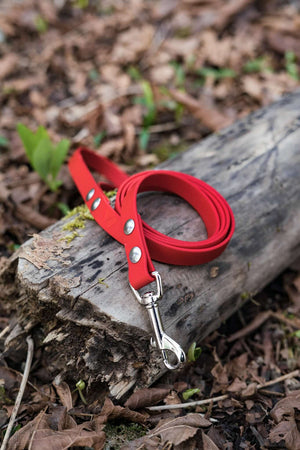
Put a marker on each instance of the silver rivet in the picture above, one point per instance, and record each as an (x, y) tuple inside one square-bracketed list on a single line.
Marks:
[(95, 204), (90, 194), (129, 226), (135, 254)]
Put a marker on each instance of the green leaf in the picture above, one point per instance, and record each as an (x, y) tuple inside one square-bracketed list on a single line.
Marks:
[(41, 24), (41, 160), (257, 65), (297, 333), (3, 141), (189, 393), (30, 139), (179, 74), (148, 101), (144, 138), (134, 73), (291, 65), (194, 352), (63, 207), (98, 138), (58, 156), (217, 74)]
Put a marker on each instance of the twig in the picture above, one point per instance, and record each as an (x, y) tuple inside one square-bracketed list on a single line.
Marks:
[(188, 404), (293, 374), (20, 393), (222, 397), (4, 331)]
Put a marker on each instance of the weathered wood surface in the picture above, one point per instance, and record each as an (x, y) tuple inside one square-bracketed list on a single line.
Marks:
[(99, 332)]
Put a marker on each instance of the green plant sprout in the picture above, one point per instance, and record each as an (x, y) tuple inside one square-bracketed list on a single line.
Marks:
[(257, 65), (45, 157), (180, 74), (99, 138), (189, 393), (147, 100), (134, 73), (80, 386), (81, 4), (216, 74), (193, 352), (296, 333), (41, 24), (291, 65), (3, 142)]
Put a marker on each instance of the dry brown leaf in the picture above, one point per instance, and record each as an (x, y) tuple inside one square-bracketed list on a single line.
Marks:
[(112, 123), (220, 374), (207, 114), (228, 11), (208, 444), (132, 43), (111, 412), (180, 429), (40, 435), (129, 137), (286, 432), (64, 393), (143, 443), (281, 42), (8, 65), (180, 47), (286, 406), (10, 377), (146, 397), (293, 291), (23, 84), (237, 367), (249, 391), (162, 74), (237, 386), (214, 50), (112, 148)]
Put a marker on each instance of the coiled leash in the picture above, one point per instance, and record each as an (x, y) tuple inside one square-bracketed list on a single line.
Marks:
[(141, 242)]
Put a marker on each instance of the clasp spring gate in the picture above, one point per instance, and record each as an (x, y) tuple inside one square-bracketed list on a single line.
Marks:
[(162, 340)]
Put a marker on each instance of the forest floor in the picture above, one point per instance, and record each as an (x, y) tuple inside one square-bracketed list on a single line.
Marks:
[(140, 81)]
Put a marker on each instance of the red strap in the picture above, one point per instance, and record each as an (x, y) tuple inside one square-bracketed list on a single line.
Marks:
[(210, 205)]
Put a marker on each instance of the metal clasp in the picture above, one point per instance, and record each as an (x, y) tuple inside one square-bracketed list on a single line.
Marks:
[(163, 341)]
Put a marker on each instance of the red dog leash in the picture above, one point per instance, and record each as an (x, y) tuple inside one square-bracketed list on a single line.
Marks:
[(142, 243)]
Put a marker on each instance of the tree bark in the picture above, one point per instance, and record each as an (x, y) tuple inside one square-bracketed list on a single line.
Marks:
[(75, 298)]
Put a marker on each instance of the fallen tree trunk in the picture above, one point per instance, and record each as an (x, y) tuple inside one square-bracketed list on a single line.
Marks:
[(75, 298)]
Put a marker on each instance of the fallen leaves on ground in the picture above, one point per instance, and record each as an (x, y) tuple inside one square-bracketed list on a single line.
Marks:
[(172, 431), (146, 397), (56, 431)]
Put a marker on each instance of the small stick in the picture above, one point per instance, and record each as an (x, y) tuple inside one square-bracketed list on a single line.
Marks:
[(4, 331), (222, 397), (20, 393)]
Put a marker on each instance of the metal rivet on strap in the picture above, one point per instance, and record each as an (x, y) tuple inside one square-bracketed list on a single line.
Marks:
[(90, 194), (95, 204), (129, 226), (135, 254)]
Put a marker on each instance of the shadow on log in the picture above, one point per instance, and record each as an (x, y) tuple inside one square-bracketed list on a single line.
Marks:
[(74, 296)]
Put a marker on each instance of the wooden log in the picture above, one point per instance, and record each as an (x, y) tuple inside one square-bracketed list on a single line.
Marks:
[(75, 296)]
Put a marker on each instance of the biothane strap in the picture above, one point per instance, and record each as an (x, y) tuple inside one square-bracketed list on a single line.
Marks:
[(143, 243)]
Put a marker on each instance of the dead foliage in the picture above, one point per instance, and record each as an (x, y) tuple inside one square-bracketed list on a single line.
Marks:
[(139, 81)]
